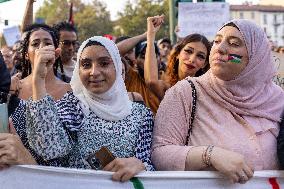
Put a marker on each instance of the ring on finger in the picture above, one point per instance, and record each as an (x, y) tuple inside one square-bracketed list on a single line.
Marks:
[(242, 178)]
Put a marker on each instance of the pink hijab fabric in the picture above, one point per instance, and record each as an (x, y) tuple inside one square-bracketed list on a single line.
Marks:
[(252, 93), (239, 115)]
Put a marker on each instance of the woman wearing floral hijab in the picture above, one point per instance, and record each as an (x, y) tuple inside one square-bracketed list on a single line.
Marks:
[(97, 113), (228, 118)]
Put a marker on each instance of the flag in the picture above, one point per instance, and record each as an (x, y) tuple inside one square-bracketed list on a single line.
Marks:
[(108, 36), (71, 19), (2, 1), (234, 58)]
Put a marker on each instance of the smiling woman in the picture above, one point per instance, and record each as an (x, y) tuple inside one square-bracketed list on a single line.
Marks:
[(97, 114), (189, 57), (97, 71)]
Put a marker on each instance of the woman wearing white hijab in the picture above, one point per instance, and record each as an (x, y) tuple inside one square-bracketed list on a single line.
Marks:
[(97, 113)]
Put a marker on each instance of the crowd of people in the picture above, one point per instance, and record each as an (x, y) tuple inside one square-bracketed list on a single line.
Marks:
[(194, 105)]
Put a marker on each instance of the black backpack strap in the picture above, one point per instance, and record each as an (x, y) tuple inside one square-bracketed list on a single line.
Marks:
[(193, 108)]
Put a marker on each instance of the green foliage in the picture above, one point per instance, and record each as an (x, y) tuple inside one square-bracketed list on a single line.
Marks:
[(90, 19), (133, 20), (54, 11), (93, 20)]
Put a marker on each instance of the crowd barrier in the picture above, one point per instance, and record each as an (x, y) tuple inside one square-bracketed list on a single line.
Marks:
[(39, 177)]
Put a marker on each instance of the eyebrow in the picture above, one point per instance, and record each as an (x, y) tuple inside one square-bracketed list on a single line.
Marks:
[(99, 58), (218, 35), (229, 37), (38, 39), (194, 49), (86, 59), (104, 57)]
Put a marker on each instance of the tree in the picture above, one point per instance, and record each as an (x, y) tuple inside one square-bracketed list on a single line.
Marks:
[(54, 11), (90, 19), (133, 20), (94, 19)]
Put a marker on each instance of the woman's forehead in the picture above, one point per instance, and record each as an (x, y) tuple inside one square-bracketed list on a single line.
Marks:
[(230, 31), (40, 33), (95, 51)]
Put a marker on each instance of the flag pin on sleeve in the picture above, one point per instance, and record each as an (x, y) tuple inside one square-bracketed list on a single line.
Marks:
[(234, 58)]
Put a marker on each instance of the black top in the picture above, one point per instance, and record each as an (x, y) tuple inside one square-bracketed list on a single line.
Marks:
[(280, 143), (5, 78)]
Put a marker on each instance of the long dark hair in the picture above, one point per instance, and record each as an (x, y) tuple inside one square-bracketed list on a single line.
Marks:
[(173, 62), (26, 64)]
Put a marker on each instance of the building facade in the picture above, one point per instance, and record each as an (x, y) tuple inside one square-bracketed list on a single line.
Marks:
[(271, 2), (269, 17)]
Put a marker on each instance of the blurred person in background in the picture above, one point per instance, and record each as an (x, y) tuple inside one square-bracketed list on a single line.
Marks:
[(134, 79), (189, 57), (280, 49), (133, 96), (12, 150), (7, 54), (165, 47), (16, 57), (130, 55), (68, 43)]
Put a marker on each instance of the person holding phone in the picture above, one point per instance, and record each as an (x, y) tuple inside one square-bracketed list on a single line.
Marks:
[(96, 114)]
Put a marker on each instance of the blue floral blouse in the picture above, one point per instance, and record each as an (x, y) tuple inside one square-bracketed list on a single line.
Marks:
[(59, 131)]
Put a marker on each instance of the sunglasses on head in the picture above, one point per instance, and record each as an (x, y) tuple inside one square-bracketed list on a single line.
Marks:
[(69, 42)]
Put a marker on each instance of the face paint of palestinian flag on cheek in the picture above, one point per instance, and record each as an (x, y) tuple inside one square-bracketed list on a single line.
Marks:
[(234, 58)]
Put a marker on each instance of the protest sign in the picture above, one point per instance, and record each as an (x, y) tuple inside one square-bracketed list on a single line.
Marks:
[(202, 18), (11, 35)]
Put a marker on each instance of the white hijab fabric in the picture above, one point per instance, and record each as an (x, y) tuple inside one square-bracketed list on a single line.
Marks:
[(114, 104)]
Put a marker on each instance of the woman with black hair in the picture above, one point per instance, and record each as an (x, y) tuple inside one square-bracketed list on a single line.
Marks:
[(97, 114), (39, 41)]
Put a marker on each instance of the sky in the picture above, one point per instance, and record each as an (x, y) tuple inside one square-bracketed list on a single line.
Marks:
[(14, 10)]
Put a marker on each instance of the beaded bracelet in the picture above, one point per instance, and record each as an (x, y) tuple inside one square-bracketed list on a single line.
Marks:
[(206, 155)]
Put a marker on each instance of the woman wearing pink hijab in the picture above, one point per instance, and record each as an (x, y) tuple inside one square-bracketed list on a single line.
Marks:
[(227, 119)]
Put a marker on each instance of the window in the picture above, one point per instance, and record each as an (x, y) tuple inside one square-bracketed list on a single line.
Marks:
[(252, 15), (241, 15), (264, 19), (275, 30), (275, 18)]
